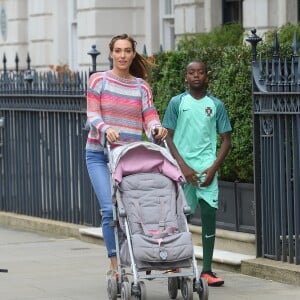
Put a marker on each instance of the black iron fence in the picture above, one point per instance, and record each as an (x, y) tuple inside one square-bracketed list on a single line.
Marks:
[(276, 109), (42, 165)]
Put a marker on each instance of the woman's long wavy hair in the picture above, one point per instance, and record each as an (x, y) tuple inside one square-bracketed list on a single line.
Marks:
[(139, 66)]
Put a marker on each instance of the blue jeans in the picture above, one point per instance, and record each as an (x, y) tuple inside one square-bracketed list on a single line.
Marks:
[(96, 163)]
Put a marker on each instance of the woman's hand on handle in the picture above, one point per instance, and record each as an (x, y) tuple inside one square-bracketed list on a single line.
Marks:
[(160, 133), (112, 135)]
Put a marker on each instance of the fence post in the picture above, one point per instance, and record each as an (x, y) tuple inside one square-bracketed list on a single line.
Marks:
[(253, 40), (93, 52)]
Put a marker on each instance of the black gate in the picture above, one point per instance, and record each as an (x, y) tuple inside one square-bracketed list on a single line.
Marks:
[(276, 109)]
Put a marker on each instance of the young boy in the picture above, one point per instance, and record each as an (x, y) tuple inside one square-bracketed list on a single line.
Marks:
[(193, 120)]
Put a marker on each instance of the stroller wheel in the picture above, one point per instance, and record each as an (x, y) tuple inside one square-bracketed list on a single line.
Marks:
[(139, 294), (173, 287), (203, 293), (125, 291), (187, 289), (143, 290), (112, 288)]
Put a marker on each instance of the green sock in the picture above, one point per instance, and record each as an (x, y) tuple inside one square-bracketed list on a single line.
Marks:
[(208, 218)]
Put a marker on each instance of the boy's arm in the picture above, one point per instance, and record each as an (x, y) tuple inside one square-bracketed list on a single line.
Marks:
[(223, 151), (188, 172)]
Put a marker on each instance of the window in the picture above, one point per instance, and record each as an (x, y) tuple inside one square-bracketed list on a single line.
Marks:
[(232, 11), (167, 24), (169, 8)]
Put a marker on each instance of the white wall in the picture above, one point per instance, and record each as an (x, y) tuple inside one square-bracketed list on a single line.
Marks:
[(99, 21), (42, 28), (268, 14), (14, 32)]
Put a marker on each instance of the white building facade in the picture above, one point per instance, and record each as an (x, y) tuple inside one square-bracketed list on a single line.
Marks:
[(57, 32)]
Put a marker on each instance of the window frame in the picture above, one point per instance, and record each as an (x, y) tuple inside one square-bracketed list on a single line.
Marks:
[(239, 12)]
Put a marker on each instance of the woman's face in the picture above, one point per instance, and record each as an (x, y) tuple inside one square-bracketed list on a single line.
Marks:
[(122, 54)]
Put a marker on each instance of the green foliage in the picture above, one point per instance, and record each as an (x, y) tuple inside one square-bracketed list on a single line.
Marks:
[(223, 36), (232, 85), (228, 60), (285, 35)]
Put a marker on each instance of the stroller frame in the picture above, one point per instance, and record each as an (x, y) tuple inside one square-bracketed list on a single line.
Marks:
[(188, 281)]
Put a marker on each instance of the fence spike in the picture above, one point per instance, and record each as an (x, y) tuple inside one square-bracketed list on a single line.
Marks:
[(261, 78), (295, 44), (28, 60), (276, 46), (286, 72), (17, 62), (145, 51), (292, 71), (279, 82), (267, 78), (4, 60)]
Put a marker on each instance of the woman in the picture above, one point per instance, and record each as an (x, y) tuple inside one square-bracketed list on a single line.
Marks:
[(119, 107)]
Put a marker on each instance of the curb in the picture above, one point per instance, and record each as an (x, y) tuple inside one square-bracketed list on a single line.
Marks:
[(39, 224)]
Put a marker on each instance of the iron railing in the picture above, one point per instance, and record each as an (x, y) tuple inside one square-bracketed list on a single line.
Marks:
[(42, 162), (276, 109)]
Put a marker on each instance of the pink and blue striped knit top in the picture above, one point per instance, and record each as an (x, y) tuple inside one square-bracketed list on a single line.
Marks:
[(124, 104)]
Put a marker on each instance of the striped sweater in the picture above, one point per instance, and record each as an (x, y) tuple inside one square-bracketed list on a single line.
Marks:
[(123, 104)]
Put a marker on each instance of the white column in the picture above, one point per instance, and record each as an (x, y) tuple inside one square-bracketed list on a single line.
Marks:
[(256, 14), (152, 21), (212, 14), (60, 32), (282, 12)]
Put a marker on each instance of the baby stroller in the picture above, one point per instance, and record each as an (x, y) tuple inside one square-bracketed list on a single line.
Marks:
[(151, 230)]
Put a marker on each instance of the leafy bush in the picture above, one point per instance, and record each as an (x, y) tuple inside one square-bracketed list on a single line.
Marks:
[(223, 36), (232, 84), (285, 36), (228, 60)]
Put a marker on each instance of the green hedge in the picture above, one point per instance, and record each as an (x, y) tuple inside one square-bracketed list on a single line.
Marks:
[(228, 60)]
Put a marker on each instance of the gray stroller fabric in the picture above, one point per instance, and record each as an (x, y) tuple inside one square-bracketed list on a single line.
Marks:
[(159, 234)]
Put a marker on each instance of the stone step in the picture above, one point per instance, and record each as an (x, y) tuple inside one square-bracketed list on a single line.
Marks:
[(232, 241), (229, 260)]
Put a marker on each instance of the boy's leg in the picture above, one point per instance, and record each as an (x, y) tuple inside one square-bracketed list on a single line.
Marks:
[(208, 218)]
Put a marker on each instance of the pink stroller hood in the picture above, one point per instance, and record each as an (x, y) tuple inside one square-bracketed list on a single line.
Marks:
[(143, 157)]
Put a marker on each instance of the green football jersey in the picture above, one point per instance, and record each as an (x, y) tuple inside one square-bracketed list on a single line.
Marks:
[(196, 124)]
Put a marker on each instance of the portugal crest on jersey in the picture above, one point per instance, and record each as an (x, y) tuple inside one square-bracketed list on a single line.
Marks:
[(208, 111)]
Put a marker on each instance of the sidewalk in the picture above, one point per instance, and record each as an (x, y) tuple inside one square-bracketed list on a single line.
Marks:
[(61, 268), (57, 263)]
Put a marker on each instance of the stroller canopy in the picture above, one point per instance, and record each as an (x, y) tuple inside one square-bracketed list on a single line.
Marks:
[(143, 157)]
